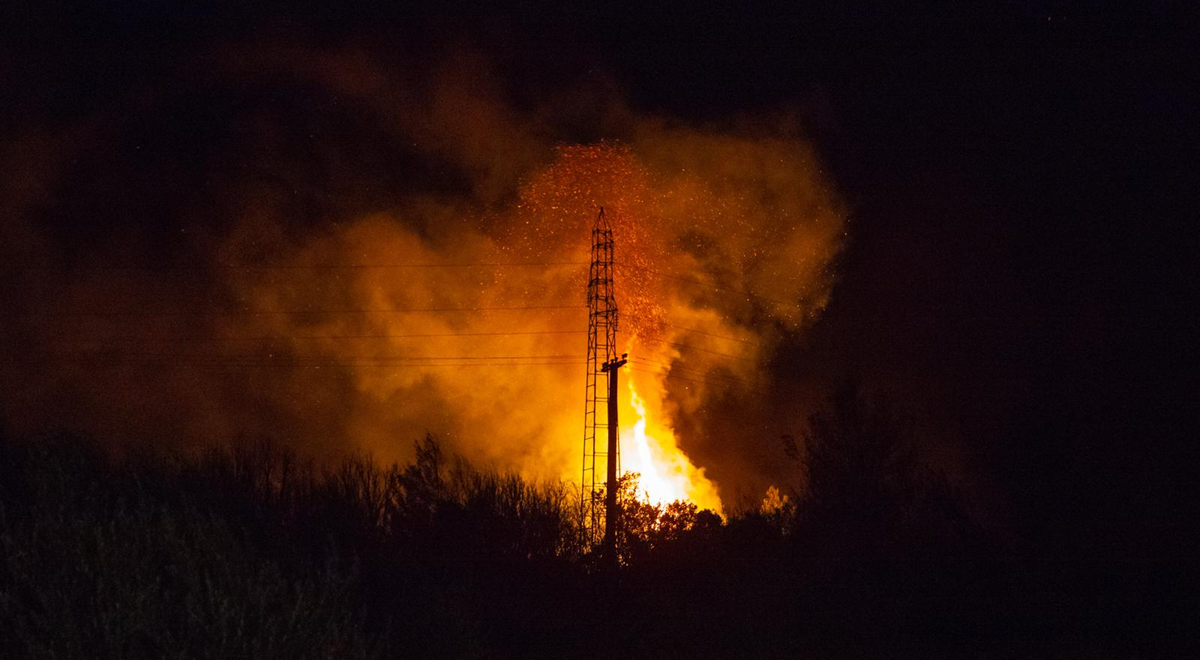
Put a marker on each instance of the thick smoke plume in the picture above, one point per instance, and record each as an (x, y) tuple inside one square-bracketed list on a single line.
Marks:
[(343, 252)]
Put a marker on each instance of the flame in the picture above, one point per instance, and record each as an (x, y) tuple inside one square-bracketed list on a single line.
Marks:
[(666, 473)]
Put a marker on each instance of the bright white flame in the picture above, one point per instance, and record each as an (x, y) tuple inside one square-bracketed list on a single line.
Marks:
[(666, 473)]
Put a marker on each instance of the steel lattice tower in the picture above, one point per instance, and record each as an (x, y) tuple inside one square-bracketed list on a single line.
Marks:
[(600, 441)]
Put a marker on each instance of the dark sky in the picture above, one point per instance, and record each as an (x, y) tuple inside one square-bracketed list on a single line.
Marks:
[(1021, 262)]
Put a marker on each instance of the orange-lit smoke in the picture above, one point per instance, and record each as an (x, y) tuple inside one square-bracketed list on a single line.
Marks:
[(461, 313)]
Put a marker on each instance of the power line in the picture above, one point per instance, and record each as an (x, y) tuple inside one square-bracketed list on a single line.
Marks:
[(700, 373), (219, 359), (297, 337), (153, 269), (497, 264), (697, 348), (701, 381), (698, 332), (104, 354), (430, 310), (285, 338), (697, 372), (709, 334), (301, 365), (216, 360)]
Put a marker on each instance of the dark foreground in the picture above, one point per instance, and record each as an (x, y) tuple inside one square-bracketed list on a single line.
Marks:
[(254, 553)]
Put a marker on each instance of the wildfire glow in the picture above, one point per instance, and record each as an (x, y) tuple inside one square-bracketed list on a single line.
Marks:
[(465, 317), (665, 472)]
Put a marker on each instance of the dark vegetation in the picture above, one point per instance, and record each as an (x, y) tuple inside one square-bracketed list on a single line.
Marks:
[(254, 552)]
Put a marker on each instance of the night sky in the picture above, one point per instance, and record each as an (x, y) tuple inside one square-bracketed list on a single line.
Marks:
[(1018, 264)]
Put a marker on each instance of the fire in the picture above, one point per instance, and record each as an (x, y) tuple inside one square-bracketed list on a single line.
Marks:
[(465, 317), (666, 474)]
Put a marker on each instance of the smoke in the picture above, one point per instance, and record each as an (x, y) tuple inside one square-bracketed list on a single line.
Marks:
[(343, 251)]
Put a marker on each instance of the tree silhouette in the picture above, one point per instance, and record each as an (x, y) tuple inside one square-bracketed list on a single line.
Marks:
[(867, 492)]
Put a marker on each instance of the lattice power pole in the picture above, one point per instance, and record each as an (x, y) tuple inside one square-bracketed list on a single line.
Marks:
[(600, 423)]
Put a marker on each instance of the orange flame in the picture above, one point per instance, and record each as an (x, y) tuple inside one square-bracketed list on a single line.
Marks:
[(666, 473)]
